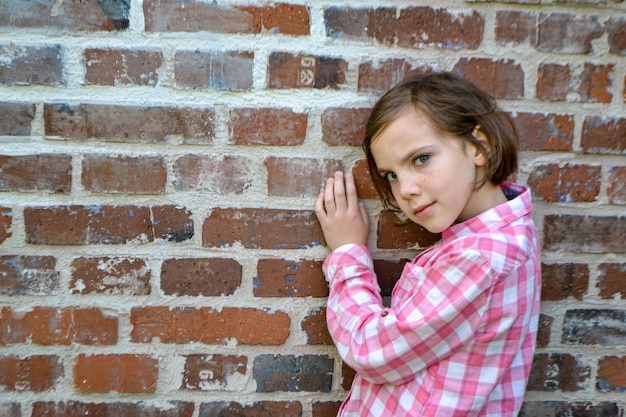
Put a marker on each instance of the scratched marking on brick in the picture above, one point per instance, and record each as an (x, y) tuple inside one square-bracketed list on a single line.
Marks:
[(306, 72)]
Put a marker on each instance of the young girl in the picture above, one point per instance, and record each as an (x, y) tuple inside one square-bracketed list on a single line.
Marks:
[(459, 337)]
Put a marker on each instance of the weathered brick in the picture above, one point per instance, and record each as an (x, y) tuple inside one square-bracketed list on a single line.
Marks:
[(394, 233), (222, 174), (567, 33), (617, 35), (573, 409), (568, 183), (171, 223), (560, 281), (553, 81), (246, 326), (138, 409), (616, 190), (612, 281), (563, 372), (358, 24), (380, 76), (611, 375), (503, 78), (118, 123), (41, 172), (257, 409), (110, 66), (596, 234), (594, 327), (209, 277), (604, 135), (544, 132), (107, 275), (517, 27), (344, 126), (326, 408), (58, 326), (74, 15), (284, 18), (37, 373), (418, 27), (261, 228), (10, 409), (213, 372), (591, 83), (28, 65), (6, 220), (298, 177), (363, 180), (286, 70), (388, 273), (16, 118), (544, 331), (347, 376), (596, 83), (266, 126), (124, 174), (284, 278), (230, 71), (290, 373), (28, 275), (123, 373), (314, 325)]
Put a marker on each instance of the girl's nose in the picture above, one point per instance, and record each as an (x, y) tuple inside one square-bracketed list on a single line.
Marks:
[(408, 186)]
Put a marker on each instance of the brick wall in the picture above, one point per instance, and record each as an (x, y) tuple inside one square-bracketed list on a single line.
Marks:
[(159, 255)]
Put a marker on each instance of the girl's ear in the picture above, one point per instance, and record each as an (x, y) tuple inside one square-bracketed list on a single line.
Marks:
[(480, 158)]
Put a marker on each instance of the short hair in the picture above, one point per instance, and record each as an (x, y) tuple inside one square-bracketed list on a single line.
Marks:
[(452, 105)]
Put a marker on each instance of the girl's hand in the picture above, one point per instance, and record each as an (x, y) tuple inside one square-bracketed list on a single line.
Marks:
[(343, 218)]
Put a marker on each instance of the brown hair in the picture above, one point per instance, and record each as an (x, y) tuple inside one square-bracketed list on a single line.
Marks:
[(454, 106)]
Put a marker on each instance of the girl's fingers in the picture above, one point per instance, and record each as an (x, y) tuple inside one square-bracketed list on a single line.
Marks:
[(329, 195), (351, 195), (340, 192)]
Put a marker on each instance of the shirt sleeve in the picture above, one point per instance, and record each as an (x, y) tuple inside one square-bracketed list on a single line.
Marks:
[(441, 313)]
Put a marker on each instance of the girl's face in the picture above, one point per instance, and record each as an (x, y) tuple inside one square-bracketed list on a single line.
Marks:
[(432, 175)]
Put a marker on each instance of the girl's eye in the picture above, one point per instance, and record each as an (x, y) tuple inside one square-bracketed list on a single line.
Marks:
[(421, 160), (390, 176)]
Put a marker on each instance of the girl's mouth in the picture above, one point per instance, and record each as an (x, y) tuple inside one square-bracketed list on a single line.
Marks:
[(424, 210)]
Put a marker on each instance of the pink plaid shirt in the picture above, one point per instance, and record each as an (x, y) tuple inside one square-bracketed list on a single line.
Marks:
[(459, 337)]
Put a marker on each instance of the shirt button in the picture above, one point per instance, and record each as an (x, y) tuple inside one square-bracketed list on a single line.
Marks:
[(384, 313)]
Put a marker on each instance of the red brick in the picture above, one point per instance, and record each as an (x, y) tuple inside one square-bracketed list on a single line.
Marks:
[(344, 126), (604, 135), (568, 183), (137, 409), (231, 70), (171, 224), (395, 233), (553, 81), (266, 126), (574, 233), (37, 373), (261, 229), (213, 372), (617, 34), (124, 174), (6, 220), (287, 19), (544, 132), (326, 408), (560, 281), (574, 409), (28, 275), (290, 373), (200, 277), (257, 409), (298, 177), (517, 27), (388, 273), (567, 33), (503, 78), (73, 15), (314, 325), (128, 374), (358, 24), (42, 172), (563, 372), (287, 70), (617, 185), (347, 376), (284, 278), (183, 325), (109, 66), (418, 27), (596, 83), (221, 174), (28, 65), (363, 180), (612, 281), (125, 276), (58, 326), (380, 76), (116, 123), (604, 327), (611, 375), (16, 118), (544, 331)]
